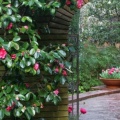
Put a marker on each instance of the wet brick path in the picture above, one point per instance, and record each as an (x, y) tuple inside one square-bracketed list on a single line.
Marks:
[(106, 107)]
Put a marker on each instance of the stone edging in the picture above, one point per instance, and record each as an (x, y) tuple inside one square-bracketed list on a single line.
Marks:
[(92, 94)]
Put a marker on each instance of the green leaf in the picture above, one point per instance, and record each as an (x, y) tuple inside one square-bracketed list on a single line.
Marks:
[(36, 55), (63, 80), (6, 113), (16, 46), (17, 113), (22, 97), (31, 111), (9, 11), (52, 11), (38, 3), (32, 51), (62, 53), (22, 64), (1, 40), (56, 55), (8, 90), (37, 109), (26, 18), (1, 114), (16, 38), (32, 60), (28, 115), (13, 18), (27, 97), (28, 63), (9, 63)]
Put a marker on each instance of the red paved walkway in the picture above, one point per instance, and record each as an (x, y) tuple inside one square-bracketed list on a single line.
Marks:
[(104, 105)]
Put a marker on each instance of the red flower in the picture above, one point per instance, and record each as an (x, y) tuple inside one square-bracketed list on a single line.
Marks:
[(13, 56), (3, 53), (56, 70), (36, 66), (70, 109), (83, 111), (9, 108), (79, 3), (9, 26), (68, 2), (64, 73), (56, 92)]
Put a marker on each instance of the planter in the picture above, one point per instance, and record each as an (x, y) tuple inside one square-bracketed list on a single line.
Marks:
[(111, 83)]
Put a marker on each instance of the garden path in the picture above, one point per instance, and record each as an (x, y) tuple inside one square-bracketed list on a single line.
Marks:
[(101, 104)]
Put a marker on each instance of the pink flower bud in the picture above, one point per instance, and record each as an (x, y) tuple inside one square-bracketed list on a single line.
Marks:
[(56, 70), (26, 27), (62, 66), (68, 2), (36, 66), (64, 73), (9, 26), (9, 108), (8, 6), (56, 92), (13, 56)]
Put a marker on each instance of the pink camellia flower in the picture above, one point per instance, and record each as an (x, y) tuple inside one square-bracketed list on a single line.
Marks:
[(36, 66), (9, 26), (68, 2), (64, 73), (3, 53), (83, 110), (56, 70), (26, 27), (56, 92), (70, 109), (9, 5), (79, 3), (61, 65), (9, 108), (13, 56), (110, 72)]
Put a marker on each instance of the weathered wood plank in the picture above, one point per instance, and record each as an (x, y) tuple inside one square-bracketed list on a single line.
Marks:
[(66, 13), (68, 9), (53, 37), (60, 21), (62, 16), (58, 26), (58, 31)]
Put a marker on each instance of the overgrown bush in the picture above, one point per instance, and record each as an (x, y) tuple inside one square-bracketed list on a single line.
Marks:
[(92, 60)]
